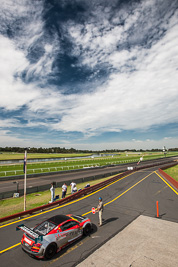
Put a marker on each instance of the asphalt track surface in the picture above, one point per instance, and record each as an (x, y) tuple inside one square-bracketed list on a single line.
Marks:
[(131, 196), (8, 185)]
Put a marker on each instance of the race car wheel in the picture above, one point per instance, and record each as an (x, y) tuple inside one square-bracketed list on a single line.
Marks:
[(87, 229), (50, 251)]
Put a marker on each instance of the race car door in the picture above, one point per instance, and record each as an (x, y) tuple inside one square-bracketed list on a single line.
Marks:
[(72, 230)]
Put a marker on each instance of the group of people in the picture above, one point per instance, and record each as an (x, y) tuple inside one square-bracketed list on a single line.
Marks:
[(52, 190), (64, 190)]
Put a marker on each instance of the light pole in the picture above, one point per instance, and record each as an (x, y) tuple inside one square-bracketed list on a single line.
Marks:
[(25, 176)]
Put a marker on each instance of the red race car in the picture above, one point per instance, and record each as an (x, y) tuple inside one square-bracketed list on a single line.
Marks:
[(50, 236)]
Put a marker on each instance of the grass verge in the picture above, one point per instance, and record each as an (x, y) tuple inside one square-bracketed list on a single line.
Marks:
[(13, 155), (14, 205), (173, 172)]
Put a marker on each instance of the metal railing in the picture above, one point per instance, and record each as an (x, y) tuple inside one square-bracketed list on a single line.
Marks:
[(61, 168)]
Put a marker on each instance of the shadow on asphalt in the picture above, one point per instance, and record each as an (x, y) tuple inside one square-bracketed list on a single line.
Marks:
[(160, 216), (110, 220)]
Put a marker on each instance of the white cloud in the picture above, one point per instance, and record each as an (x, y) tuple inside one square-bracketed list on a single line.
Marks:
[(148, 95), (11, 139), (167, 138), (7, 137), (7, 123), (15, 67), (14, 93), (126, 145), (137, 141), (27, 25)]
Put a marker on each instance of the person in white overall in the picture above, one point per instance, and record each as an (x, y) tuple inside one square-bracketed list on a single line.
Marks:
[(52, 189), (100, 208)]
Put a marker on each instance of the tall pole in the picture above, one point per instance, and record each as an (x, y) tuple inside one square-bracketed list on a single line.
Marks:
[(25, 178)]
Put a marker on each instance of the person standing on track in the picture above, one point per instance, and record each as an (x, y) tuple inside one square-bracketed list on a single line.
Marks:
[(100, 209), (73, 185), (52, 189), (64, 190)]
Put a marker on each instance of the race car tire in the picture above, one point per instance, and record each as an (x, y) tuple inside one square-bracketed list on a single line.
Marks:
[(50, 251), (87, 229)]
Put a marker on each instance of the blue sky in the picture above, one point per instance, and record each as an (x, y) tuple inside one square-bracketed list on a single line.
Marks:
[(89, 74)]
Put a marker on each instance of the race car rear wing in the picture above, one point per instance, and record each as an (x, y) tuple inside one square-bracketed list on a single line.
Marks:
[(30, 232)]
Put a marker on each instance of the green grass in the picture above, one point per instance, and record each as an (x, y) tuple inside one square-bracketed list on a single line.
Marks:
[(13, 155), (61, 165), (173, 172), (14, 205)]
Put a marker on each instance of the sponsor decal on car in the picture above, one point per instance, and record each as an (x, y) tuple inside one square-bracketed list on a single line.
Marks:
[(58, 236)]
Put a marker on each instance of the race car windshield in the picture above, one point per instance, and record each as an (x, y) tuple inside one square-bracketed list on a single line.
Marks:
[(44, 228)]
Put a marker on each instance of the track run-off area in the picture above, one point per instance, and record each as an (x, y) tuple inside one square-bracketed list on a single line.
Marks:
[(124, 200)]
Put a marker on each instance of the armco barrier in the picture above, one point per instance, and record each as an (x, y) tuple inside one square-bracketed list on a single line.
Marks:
[(80, 193)]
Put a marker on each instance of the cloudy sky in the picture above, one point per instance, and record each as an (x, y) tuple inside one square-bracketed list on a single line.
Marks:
[(99, 74)]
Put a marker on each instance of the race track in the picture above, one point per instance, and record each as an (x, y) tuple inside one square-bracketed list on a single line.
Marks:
[(124, 200)]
